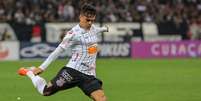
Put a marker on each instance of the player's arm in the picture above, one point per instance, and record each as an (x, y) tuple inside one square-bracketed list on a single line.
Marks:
[(48, 61), (102, 29), (54, 55)]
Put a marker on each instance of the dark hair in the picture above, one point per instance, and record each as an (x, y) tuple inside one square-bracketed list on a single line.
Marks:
[(88, 10)]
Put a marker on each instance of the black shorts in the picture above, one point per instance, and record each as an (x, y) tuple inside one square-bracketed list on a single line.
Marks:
[(68, 78)]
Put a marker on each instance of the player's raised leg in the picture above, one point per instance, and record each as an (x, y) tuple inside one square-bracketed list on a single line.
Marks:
[(37, 81), (56, 84), (98, 95)]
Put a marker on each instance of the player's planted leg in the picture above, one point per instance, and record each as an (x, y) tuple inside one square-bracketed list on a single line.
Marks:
[(98, 95)]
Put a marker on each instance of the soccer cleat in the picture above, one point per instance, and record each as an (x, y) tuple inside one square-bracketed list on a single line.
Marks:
[(22, 71)]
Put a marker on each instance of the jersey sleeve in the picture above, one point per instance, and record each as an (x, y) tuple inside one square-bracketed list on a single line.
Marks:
[(102, 29), (51, 58), (67, 40)]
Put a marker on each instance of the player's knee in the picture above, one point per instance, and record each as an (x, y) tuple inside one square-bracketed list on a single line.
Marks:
[(48, 90), (103, 98), (47, 94), (100, 98)]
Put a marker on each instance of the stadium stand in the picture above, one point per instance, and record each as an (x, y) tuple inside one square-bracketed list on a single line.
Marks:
[(171, 17)]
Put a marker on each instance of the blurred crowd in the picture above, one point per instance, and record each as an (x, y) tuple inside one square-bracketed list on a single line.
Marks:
[(181, 14), (32, 11)]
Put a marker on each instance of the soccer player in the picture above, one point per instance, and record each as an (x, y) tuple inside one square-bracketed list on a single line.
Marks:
[(80, 70)]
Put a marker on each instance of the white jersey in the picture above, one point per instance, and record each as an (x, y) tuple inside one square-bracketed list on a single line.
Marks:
[(84, 47)]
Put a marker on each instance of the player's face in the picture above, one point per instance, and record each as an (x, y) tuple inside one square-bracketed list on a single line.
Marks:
[(87, 21)]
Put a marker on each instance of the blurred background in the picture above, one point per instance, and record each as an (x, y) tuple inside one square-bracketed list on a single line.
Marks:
[(152, 49), (145, 21)]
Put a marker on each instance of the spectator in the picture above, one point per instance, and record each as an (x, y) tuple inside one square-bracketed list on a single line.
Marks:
[(195, 29), (5, 36), (113, 10), (178, 14), (19, 16), (68, 12), (36, 33)]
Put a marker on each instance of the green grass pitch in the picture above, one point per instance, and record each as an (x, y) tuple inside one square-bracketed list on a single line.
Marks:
[(124, 80)]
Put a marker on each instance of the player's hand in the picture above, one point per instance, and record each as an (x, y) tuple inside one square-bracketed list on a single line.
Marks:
[(107, 28), (37, 71)]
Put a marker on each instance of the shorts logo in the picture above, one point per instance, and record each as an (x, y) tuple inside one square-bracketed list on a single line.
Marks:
[(64, 77), (60, 82), (67, 76)]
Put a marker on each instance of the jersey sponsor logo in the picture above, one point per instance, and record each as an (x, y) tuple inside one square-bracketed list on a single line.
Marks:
[(92, 49)]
